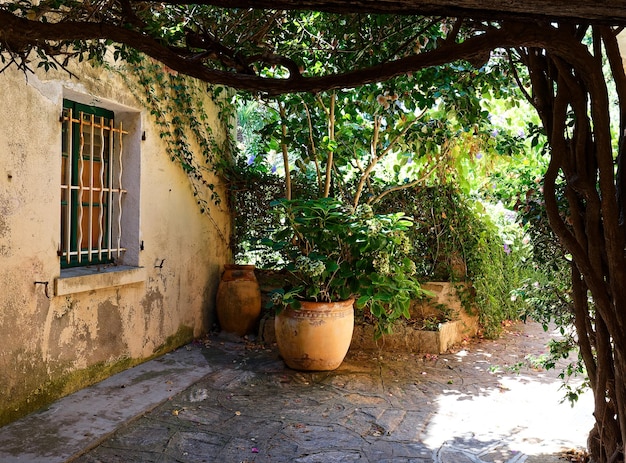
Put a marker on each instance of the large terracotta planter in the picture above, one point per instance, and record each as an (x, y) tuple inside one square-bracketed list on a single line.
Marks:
[(317, 336), (238, 299)]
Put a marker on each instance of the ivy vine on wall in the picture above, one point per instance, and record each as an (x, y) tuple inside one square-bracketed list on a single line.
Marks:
[(176, 104)]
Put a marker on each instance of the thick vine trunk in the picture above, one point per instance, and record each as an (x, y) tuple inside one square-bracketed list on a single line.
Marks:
[(571, 96)]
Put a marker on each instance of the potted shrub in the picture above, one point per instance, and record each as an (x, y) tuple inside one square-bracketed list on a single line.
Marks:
[(337, 258)]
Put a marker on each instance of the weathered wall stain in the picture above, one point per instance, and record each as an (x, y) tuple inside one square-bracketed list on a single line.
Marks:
[(110, 330), (153, 312), (52, 345)]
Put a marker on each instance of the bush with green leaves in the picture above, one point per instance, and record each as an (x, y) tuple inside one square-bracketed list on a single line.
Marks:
[(333, 252), (457, 238), (443, 227), (497, 268), (251, 191)]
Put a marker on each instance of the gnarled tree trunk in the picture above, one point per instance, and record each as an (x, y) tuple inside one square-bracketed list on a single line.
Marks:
[(571, 96)]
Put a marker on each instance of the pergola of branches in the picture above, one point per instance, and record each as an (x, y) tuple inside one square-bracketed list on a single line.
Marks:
[(563, 46)]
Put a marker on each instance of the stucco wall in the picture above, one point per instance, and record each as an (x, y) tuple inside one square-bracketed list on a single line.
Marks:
[(108, 320)]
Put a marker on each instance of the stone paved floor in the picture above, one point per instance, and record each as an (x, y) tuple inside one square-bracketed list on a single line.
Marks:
[(461, 407)]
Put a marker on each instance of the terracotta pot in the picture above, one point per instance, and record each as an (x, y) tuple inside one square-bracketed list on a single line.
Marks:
[(238, 299), (317, 336)]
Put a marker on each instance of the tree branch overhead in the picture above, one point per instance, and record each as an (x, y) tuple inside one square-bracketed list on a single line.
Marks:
[(613, 12)]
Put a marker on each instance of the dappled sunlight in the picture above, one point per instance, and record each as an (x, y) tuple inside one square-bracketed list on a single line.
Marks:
[(515, 414), (476, 405)]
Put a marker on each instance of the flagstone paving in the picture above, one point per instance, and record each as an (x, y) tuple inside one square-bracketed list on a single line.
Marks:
[(378, 407), (467, 406)]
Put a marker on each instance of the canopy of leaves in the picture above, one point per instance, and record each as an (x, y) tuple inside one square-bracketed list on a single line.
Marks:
[(270, 51)]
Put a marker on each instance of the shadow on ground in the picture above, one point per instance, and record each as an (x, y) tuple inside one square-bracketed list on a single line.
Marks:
[(464, 406)]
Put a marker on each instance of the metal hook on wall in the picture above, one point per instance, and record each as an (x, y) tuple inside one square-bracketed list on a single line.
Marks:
[(45, 287)]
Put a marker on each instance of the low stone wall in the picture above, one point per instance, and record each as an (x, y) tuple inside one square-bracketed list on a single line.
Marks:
[(405, 336)]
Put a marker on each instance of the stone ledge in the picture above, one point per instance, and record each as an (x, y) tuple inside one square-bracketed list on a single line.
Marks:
[(404, 338), (77, 280)]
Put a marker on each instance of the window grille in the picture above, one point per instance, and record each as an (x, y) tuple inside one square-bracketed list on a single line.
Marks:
[(91, 186)]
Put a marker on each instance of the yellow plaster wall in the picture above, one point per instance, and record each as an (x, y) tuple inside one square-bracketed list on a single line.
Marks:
[(53, 345)]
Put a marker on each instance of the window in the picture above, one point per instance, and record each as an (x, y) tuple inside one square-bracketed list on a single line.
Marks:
[(91, 186)]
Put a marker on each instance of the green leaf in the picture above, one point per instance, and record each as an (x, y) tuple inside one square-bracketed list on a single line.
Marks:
[(362, 301)]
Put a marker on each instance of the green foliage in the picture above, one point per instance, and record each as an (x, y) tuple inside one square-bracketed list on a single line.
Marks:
[(400, 147), (519, 176), (456, 238), (381, 137), (334, 253), (444, 313), (384, 137), (496, 268), (175, 103), (252, 189), (443, 231), (431, 323)]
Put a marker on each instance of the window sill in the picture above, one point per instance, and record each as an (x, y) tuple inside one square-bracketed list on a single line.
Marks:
[(82, 279)]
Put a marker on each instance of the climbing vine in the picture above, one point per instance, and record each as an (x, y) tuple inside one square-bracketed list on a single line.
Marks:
[(176, 104)]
